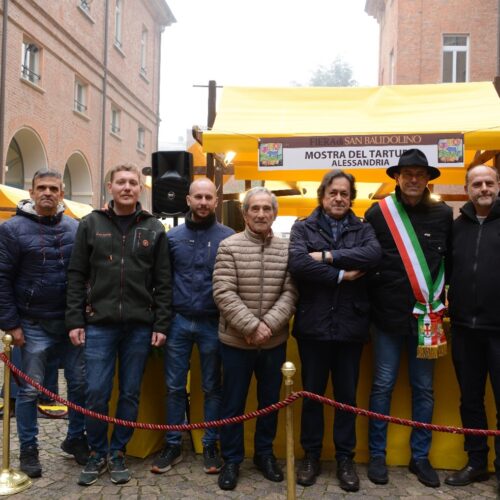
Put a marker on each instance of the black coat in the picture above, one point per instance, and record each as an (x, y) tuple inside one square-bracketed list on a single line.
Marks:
[(390, 290), (473, 293), (328, 310)]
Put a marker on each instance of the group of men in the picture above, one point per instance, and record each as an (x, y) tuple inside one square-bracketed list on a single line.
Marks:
[(119, 284)]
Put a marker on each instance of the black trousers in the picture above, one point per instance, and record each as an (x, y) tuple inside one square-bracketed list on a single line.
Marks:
[(476, 354), (319, 360)]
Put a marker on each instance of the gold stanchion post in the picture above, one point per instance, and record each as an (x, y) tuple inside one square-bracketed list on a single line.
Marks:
[(288, 370), (11, 481)]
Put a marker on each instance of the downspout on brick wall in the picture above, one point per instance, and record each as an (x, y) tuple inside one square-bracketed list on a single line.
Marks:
[(3, 66), (102, 191)]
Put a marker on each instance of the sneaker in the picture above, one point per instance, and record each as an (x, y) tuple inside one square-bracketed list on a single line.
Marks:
[(77, 447), (118, 468), (212, 462), (29, 462), (96, 465), (168, 457)]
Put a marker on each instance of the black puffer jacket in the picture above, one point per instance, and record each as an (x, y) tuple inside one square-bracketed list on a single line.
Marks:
[(34, 256), (390, 291), (473, 293), (119, 278), (328, 310)]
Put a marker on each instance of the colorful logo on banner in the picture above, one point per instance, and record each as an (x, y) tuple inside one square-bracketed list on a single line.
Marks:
[(357, 151)]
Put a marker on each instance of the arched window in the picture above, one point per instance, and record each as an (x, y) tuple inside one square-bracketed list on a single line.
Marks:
[(14, 175)]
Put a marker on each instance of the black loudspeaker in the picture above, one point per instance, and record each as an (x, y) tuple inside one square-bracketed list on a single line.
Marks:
[(232, 216), (172, 174)]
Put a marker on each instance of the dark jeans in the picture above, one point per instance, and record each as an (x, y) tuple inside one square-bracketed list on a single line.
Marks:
[(238, 366), (104, 344), (35, 354), (476, 354), (320, 360), (184, 333)]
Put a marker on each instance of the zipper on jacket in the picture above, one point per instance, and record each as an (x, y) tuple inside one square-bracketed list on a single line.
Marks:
[(261, 278), (122, 276), (474, 270)]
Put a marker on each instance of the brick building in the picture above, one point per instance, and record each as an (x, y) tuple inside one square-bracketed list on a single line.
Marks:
[(79, 89), (434, 41)]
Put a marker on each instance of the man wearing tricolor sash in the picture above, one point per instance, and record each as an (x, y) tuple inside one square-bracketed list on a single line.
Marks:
[(475, 318), (406, 292)]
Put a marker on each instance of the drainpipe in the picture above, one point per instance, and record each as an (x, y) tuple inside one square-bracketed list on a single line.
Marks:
[(3, 65), (102, 192), (498, 38)]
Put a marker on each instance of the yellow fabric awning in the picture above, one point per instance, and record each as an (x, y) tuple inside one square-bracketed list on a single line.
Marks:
[(10, 197), (246, 114)]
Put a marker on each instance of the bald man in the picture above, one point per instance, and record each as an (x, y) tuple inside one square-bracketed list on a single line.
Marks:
[(474, 315), (193, 247)]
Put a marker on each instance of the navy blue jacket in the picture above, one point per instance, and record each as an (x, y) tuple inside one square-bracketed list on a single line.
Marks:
[(193, 248), (34, 257), (328, 310)]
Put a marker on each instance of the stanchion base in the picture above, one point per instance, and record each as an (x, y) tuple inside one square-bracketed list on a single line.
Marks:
[(12, 482)]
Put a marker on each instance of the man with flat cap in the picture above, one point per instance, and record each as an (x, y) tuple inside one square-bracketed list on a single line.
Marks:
[(406, 293)]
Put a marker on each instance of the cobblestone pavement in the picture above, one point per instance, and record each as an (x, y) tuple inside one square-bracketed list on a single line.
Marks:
[(188, 481)]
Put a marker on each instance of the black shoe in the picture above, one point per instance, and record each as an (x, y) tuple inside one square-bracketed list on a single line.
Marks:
[(377, 470), (118, 468), (269, 467), (424, 472), (308, 470), (77, 447), (228, 478), (168, 457), (467, 475), (29, 462), (346, 474)]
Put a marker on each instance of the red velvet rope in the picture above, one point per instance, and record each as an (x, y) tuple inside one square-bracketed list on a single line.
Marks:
[(248, 416)]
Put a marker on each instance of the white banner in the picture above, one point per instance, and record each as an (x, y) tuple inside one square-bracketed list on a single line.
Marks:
[(355, 152)]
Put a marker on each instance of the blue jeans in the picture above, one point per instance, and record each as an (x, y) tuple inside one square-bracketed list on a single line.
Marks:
[(104, 344), (238, 366), (387, 354), (184, 332), (35, 353)]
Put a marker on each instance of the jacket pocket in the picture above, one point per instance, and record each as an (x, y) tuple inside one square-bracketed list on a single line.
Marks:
[(144, 240)]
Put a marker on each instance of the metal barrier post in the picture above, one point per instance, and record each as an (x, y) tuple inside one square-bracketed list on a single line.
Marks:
[(10, 481), (288, 370)]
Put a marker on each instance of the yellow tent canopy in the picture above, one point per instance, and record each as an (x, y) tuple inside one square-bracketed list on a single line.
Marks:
[(246, 114), (10, 197)]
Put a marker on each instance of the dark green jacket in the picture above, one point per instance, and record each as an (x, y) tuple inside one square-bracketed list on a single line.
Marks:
[(119, 278)]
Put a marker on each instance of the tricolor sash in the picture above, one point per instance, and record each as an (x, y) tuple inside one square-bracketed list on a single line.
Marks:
[(428, 309)]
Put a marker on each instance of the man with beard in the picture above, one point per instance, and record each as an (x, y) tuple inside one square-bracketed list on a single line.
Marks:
[(475, 321), (193, 247)]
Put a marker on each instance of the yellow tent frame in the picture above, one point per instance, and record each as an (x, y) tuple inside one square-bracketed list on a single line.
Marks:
[(246, 114)]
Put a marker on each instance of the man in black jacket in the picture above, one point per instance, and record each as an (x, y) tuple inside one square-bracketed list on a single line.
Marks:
[(475, 321), (395, 304), (35, 247), (330, 252), (118, 305)]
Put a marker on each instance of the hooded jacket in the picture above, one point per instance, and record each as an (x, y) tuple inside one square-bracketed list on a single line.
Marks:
[(34, 257), (473, 299), (327, 309), (116, 277), (391, 295)]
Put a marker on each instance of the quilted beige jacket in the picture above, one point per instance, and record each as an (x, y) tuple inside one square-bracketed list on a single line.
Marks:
[(251, 284)]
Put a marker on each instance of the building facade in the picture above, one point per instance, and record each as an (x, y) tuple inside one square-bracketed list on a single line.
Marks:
[(435, 41), (80, 82)]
